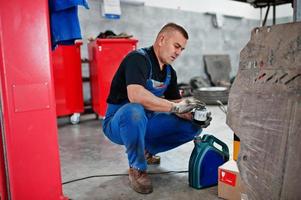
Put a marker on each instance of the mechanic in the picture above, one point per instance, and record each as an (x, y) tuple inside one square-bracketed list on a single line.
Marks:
[(145, 111)]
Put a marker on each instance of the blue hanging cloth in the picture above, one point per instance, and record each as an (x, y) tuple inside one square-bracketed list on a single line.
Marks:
[(64, 23)]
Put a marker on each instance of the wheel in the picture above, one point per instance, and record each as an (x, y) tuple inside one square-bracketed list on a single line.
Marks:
[(75, 118)]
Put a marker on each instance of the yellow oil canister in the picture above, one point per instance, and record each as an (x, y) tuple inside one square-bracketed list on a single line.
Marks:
[(236, 146)]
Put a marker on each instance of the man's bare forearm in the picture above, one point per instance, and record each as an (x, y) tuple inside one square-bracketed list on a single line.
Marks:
[(138, 94)]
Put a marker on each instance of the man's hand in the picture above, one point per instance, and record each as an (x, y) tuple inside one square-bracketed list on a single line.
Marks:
[(207, 122), (187, 116), (184, 106)]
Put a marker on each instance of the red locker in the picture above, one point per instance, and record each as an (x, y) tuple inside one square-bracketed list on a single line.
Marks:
[(66, 63), (105, 55)]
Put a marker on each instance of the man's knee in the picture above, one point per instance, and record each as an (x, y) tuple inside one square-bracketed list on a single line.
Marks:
[(134, 112)]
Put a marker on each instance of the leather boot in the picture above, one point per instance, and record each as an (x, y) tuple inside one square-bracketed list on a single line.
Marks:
[(140, 181), (152, 159)]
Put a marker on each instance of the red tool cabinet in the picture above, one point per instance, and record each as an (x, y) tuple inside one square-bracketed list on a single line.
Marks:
[(105, 55), (30, 165), (66, 63)]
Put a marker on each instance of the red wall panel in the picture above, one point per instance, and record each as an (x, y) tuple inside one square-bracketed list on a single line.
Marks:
[(28, 106)]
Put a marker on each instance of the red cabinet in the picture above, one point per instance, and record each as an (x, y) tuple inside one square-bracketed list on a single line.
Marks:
[(105, 56), (66, 63)]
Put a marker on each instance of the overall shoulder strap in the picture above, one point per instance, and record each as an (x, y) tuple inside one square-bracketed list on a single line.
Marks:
[(143, 52)]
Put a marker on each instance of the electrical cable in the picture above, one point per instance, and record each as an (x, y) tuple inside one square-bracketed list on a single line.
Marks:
[(111, 175)]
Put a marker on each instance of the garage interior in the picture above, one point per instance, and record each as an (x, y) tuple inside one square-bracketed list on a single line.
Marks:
[(53, 146)]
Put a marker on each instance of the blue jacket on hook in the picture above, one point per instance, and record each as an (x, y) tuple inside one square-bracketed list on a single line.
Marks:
[(64, 23)]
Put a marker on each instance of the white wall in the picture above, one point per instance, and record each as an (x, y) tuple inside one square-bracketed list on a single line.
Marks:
[(225, 7), (144, 22)]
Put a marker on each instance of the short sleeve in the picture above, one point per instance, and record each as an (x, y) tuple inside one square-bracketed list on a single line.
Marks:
[(136, 69)]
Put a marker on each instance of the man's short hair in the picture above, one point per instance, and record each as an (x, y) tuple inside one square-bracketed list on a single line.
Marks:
[(174, 27)]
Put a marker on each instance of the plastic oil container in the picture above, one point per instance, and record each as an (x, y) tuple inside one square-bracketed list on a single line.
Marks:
[(205, 159)]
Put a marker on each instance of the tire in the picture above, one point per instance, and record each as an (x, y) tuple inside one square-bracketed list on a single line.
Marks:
[(185, 89), (197, 82), (210, 95)]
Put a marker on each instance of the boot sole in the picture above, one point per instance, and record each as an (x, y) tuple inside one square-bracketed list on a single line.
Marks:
[(139, 190)]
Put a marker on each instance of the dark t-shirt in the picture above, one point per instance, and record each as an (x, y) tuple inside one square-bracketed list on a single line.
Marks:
[(135, 69)]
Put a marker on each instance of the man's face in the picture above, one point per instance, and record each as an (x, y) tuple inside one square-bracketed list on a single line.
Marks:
[(171, 46)]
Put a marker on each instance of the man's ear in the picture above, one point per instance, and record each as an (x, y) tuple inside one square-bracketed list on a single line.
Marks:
[(161, 39)]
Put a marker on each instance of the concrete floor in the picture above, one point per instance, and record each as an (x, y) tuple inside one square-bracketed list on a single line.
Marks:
[(85, 151)]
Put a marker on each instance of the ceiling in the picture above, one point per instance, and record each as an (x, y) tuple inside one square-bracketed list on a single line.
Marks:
[(264, 3)]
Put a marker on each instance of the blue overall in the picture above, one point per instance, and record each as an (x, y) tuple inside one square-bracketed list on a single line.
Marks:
[(138, 129)]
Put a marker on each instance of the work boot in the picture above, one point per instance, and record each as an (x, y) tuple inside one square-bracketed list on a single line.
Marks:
[(152, 159), (140, 181)]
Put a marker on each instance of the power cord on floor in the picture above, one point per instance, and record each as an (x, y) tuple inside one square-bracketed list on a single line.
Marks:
[(111, 175)]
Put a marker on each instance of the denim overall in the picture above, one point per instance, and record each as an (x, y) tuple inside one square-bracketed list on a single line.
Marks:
[(138, 129)]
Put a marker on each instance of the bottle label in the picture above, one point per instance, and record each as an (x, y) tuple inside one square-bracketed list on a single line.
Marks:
[(200, 115)]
